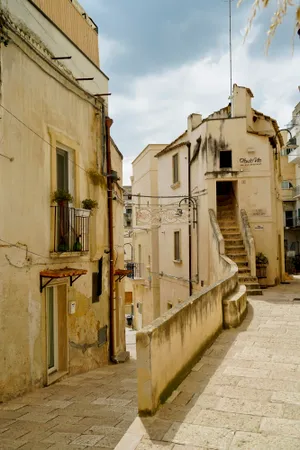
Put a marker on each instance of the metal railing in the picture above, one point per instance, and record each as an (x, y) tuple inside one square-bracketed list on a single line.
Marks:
[(296, 191), (71, 229), (137, 270), (292, 222)]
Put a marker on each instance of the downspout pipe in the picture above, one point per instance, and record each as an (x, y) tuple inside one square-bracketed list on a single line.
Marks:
[(112, 349), (190, 222)]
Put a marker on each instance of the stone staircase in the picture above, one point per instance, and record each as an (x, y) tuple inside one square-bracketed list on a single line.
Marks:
[(234, 244)]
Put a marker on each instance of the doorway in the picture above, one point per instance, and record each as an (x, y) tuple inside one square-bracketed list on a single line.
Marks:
[(52, 330), (56, 332)]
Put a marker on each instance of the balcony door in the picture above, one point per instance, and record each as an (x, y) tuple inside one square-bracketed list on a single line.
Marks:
[(289, 221), (65, 182), (65, 170)]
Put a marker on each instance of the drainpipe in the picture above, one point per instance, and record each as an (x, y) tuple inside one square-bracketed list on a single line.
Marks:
[(108, 124), (190, 223)]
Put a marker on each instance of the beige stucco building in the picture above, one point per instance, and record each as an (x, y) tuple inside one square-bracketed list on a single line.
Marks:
[(290, 192), (145, 237), (58, 314), (227, 163)]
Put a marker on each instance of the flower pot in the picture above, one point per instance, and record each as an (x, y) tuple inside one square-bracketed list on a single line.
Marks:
[(261, 270), (80, 212)]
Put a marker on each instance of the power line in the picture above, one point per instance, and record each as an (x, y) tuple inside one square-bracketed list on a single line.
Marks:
[(38, 135), (20, 248)]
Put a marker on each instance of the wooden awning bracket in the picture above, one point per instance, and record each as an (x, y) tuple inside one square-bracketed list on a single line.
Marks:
[(73, 274), (122, 273)]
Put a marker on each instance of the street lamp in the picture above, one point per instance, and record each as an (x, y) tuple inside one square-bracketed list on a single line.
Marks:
[(192, 202), (291, 143)]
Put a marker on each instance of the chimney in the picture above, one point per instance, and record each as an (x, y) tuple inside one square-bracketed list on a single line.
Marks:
[(193, 121)]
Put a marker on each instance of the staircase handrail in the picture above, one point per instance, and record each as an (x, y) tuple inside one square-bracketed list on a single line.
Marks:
[(248, 241), (217, 232)]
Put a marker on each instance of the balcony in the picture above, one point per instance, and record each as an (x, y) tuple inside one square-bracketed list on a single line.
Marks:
[(137, 270), (292, 222), (296, 192), (70, 229), (288, 194)]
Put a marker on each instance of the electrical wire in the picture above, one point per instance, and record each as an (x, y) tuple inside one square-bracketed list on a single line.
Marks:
[(18, 246), (38, 135)]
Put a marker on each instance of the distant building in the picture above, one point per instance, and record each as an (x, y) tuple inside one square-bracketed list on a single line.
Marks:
[(227, 164)]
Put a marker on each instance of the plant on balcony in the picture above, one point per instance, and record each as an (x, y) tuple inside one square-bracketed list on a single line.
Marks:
[(261, 265), (89, 204), (77, 247), (61, 197)]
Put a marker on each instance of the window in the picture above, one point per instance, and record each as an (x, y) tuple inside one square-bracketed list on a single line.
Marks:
[(289, 218), (175, 168), (286, 185), (177, 246), (225, 159), (62, 170), (65, 170)]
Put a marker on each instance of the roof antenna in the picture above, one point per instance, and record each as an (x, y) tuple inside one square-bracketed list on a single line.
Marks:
[(230, 47)]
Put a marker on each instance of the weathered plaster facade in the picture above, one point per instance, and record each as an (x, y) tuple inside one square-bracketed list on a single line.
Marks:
[(253, 172), (146, 289), (44, 109)]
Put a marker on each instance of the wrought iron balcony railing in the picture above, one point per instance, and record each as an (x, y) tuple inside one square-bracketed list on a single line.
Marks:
[(292, 222), (137, 270), (71, 229)]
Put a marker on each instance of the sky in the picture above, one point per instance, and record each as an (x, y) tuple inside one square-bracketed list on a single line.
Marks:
[(167, 59)]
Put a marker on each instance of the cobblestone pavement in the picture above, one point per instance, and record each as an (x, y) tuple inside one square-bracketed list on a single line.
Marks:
[(243, 394), (245, 391), (89, 410)]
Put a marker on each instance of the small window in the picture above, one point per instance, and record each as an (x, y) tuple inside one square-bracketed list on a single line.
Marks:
[(177, 246), (175, 168), (286, 185), (225, 159)]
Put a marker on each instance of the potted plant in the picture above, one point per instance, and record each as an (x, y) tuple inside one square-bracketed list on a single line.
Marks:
[(61, 197), (261, 265), (89, 204)]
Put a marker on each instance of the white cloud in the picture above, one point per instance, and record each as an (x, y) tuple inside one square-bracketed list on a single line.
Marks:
[(109, 49), (157, 105)]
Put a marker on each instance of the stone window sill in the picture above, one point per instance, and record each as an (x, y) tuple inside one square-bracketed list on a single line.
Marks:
[(177, 261), (67, 254)]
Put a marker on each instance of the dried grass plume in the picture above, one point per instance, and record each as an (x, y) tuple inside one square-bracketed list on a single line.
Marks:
[(280, 13)]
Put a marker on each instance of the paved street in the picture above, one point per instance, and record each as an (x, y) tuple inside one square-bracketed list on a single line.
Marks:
[(243, 394)]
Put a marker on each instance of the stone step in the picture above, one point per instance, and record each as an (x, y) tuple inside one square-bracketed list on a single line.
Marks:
[(235, 308), (239, 258), (227, 223), (232, 236), (224, 214), (230, 243), (244, 270), (246, 278), (241, 254), (230, 229), (241, 264), (255, 292), (251, 286)]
